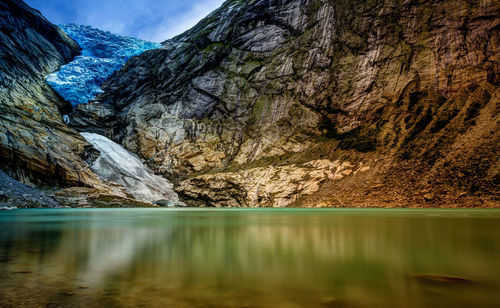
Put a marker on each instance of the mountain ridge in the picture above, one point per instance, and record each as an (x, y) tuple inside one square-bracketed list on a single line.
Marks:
[(369, 103), (36, 146), (312, 103)]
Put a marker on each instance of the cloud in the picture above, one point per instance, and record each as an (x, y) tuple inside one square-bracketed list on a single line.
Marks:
[(151, 20), (184, 21)]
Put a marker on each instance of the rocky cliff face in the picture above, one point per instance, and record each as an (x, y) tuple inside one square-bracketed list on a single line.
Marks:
[(318, 103), (35, 145)]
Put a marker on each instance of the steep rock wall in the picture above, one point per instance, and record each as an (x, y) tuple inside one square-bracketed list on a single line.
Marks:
[(404, 93), (35, 145)]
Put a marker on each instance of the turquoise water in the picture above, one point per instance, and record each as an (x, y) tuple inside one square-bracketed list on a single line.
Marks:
[(250, 258)]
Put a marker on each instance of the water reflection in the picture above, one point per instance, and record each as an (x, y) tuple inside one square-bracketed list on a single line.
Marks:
[(253, 258)]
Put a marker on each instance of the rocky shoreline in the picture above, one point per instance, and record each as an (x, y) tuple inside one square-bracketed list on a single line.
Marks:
[(14, 194)]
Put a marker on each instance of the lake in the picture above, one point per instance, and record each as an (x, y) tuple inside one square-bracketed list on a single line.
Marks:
[(250, 258)]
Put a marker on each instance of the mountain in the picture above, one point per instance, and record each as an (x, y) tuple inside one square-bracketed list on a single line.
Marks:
[(314, 103), (35, 145), (317, 103)]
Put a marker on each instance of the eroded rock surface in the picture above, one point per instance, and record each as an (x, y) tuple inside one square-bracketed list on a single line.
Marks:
[(264, 186), (258, 89), (35, 144)]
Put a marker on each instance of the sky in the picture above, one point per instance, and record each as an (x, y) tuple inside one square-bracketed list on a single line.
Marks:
[(152, 20)]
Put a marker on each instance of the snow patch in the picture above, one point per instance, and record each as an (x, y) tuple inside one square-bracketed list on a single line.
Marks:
[(118, 165)]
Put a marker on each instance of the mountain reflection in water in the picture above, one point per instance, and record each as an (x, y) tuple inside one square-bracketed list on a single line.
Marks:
[(261, 258)]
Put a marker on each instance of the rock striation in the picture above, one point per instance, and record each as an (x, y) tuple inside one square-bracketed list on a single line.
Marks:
[(272, 103), (264, 101), (35, 144)]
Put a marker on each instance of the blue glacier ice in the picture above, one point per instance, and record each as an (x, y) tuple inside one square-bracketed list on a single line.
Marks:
[(102, 53)]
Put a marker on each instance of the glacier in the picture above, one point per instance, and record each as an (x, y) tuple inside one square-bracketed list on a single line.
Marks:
[(118, 165), (103, 52)]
